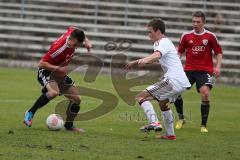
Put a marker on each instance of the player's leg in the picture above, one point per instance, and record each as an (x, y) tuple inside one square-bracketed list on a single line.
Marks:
[(168, 92), (179, 108), (204, 85), (143, 99), (74, 106), (168, 120), (50, 91), (179, 104), (205, 106)]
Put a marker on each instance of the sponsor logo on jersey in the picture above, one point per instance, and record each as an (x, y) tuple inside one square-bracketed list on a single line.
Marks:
[(198, 48), (205, 41)]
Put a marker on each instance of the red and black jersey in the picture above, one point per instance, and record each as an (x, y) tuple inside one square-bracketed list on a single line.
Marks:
[(59, 52), (199, 49)]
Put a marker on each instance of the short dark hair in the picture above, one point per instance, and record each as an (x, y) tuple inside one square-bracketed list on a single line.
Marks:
[(199, 14), (157, 23), (78, 34)]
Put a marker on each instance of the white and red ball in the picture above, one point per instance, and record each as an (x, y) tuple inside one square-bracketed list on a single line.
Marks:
[(54, 122)]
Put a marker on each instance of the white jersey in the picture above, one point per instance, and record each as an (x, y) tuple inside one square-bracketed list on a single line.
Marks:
[(171, 63)]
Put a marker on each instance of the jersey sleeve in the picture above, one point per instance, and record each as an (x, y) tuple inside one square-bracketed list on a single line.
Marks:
[(159, 48), (182, 44), (217, 49)]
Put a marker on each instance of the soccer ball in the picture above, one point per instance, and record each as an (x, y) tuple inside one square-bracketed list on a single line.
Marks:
[(54, 122)]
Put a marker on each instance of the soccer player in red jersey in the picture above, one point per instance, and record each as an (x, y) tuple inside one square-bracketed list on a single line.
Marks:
[(199, 46), (52, 75)]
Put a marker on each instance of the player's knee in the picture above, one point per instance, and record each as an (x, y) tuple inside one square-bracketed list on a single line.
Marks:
[(204, 91), (163, 105), (53, 93), (205, 95), (139, 100), (76, 99), (164, 108)]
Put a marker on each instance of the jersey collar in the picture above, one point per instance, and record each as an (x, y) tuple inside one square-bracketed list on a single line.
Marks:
[(199, 33)]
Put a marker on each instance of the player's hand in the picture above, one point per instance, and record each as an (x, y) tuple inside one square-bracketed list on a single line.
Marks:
[(87, 45), (141, 63), (217, 72), (130, 65), (61, 71)]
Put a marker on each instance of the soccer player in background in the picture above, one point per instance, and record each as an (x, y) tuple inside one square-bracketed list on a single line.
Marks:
[(173, 83), (52, 75), (199, 45)]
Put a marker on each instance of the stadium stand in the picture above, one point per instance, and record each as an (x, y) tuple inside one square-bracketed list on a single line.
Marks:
[(28, 26)]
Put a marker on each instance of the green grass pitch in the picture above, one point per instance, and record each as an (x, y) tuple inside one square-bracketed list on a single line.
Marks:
[(113, 136)]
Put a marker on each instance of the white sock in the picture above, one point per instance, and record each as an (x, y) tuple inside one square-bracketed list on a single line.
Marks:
[(168, 121), (149, 112)]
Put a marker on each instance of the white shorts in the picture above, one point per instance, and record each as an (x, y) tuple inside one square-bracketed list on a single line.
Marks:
[(164, 90)]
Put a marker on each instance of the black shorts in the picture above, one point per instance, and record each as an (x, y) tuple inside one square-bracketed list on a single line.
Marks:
[(46, 76), (201, 79)]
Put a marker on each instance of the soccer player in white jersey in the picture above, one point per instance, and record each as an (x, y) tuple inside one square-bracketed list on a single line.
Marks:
[(173, 83)]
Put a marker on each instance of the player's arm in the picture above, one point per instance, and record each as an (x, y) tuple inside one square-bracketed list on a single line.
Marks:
[(143, 61), (217, 68), (60, 70), (131, 64), (87, 44), (149, 59), (217, 49), (182, 46)]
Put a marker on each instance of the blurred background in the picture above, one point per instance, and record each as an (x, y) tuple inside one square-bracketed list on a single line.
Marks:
[(28, 27)]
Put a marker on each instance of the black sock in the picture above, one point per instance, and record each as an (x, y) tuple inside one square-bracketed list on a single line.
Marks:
[(204, 112), (71, 112), (179, 107), (41, 101)]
